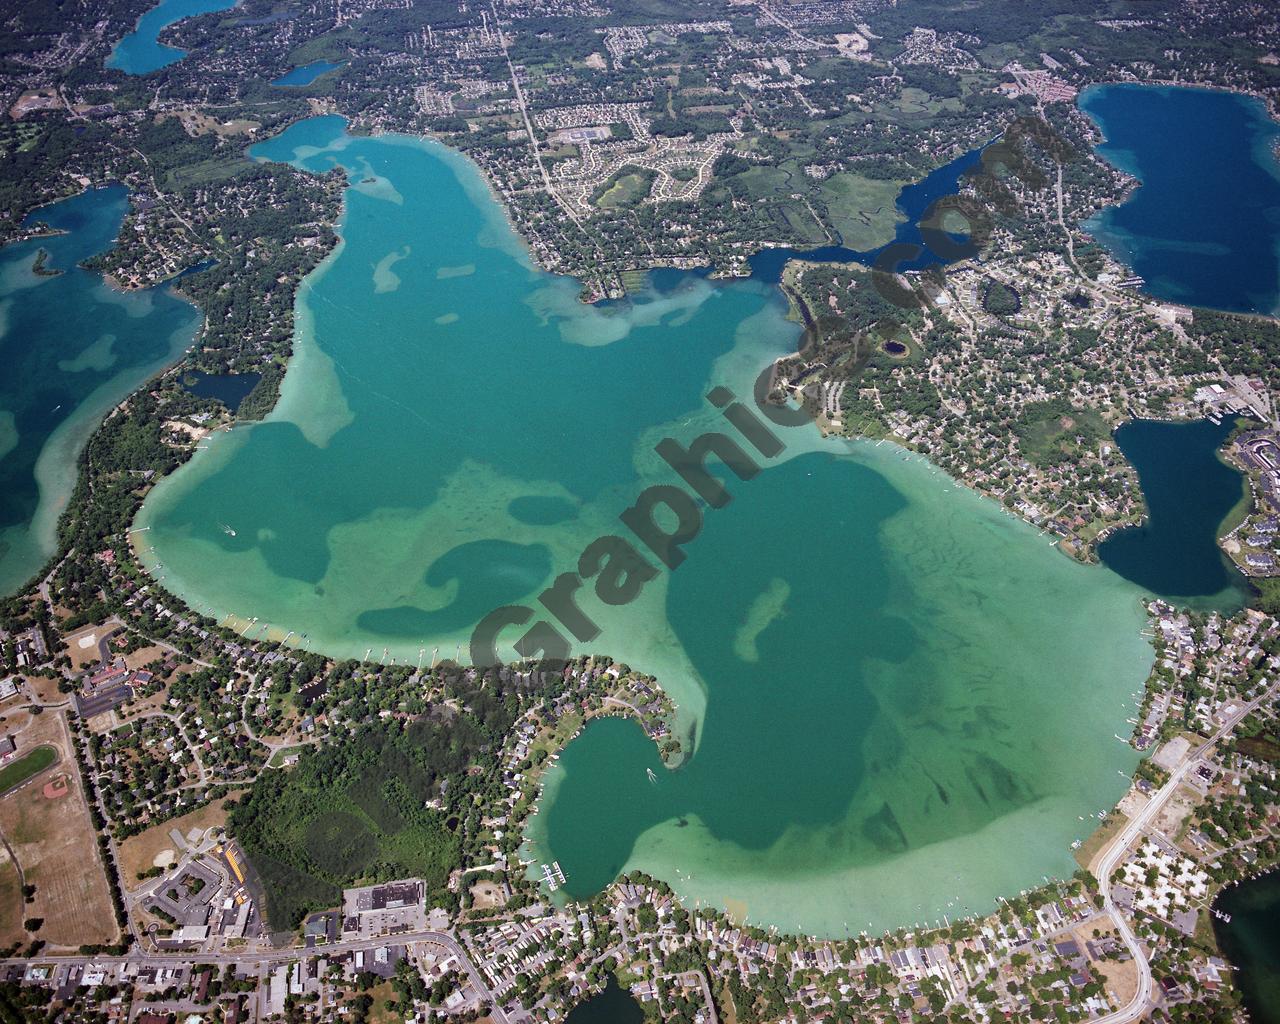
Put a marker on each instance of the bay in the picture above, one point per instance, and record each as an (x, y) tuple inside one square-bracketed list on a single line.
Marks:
[(141, 52)]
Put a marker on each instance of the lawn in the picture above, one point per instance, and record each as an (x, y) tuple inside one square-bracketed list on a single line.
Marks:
[(26, 766), (284, 753)]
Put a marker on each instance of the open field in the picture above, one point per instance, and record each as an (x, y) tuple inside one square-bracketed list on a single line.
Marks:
[(144, 656), (1121, 978), (140, 852), (198, 123), (46, 690), (206, 172), (53, 839), (486, 895)]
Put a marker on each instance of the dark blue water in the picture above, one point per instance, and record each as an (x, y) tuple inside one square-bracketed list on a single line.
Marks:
[(70, 348), (228, 388), (1204, 227), (1251, 941), (1188, 490), (614, 1005), (913, 201), (307, 73)]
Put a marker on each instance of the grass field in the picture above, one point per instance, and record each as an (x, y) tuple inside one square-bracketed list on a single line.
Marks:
[(206, 172), (1047, 431), (863, 211), (16, 773), (625, 189), (11, 905)]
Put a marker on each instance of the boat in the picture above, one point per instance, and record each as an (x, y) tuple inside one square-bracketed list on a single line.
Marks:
[(228, 531)]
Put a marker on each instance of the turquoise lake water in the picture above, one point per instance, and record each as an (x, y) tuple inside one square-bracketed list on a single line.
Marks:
[(900, 701), (141, 52), (1188, 491), (1204, 227), (306, 74), (73, 347)]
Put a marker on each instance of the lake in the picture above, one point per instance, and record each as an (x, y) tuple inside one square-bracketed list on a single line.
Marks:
[(1251, 941), (1203, 228), (306, 73), (888, 677), (141, 52), (228, 388), (72, 347), (1188, 490)]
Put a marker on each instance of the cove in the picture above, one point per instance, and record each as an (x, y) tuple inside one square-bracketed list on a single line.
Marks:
[(72, 347), (612, 1005), (903, 699), (141, 52), (1251, 941), (306, 73), (1188, 490), (1203, 228)]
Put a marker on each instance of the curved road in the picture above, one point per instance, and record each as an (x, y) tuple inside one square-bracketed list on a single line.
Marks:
[(1115, 852)]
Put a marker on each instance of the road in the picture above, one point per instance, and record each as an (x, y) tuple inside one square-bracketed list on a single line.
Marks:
[(1115, 852), (528, 124), (277, 956)]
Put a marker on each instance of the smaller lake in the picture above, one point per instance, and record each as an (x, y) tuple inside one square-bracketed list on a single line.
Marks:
[(1204, 227), (141, 52), (1189, 490), (614, 1005), (306, 73), (1252, 943), (228, 388)]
